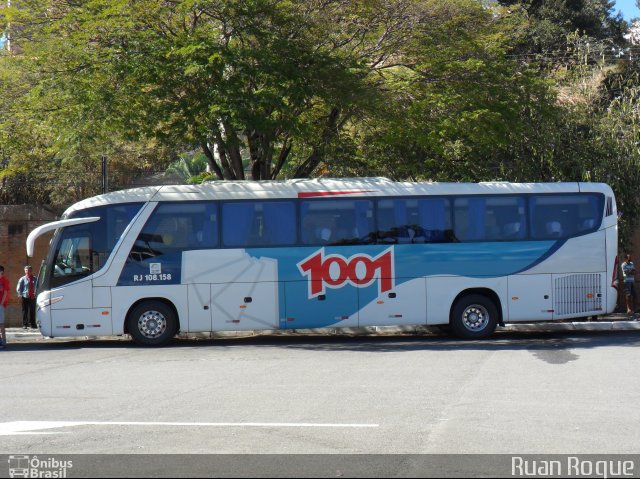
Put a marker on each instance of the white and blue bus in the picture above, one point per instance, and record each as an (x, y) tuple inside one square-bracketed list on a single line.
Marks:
[(328, 253)]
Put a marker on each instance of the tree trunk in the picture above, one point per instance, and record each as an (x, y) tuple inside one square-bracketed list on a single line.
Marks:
[(233, 148), (211, 159), (318, 152), (282, 158), (260, 150)]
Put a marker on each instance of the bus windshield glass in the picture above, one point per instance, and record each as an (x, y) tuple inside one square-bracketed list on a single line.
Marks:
[(81, 250)]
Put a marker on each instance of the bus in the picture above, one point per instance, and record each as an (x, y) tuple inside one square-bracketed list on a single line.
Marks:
[(327, 253)]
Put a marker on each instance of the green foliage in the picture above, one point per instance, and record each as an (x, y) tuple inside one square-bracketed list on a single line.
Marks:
[(190, 168), (550, 22), (449, 90)]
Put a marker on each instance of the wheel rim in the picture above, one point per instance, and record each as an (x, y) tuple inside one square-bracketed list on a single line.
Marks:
[(475, 317), (152, 324)]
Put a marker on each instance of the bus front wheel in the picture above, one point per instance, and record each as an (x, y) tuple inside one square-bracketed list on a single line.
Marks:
[(152, 323), (473, 317)]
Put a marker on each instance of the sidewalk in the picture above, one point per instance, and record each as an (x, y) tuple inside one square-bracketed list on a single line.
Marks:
[(614, 322)]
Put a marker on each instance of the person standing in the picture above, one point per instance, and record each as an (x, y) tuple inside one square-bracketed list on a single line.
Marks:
[(4, 299), (27, 291), (628, 274)]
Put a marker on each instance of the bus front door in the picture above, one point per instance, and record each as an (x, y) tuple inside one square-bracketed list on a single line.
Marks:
[(199, 308)]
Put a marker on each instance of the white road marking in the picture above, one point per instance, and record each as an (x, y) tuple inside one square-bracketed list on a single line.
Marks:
[(16, 428), (32, 427)]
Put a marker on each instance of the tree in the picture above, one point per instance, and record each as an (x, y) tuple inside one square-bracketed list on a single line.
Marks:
[(551, 21), (420, 89), (218, 74), (463, 101), (278, 85)]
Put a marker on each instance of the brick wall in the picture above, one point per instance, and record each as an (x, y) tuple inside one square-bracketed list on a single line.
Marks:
[(16, 222)]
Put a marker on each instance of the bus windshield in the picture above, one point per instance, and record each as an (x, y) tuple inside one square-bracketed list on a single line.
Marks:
[(81, 250)]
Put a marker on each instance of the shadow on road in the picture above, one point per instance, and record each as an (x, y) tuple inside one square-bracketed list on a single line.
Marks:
[(539, 343)]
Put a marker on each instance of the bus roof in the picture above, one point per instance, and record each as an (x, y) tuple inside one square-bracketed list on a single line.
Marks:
[(323, 188)]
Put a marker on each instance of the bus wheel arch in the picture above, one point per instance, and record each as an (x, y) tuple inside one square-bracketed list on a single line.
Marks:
[(475, 313), (152, 321)]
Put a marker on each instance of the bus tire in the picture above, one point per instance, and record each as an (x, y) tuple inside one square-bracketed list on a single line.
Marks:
[(152, 323), (473, 316)]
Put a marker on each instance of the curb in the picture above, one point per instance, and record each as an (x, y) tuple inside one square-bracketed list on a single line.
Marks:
[(628, 325), (18, 335)]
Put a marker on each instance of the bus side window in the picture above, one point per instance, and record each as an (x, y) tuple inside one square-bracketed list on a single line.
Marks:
[(279, 223), (414, 220), (337, 222), (392, 216), (318, 228), (435, 220), (237, 221), (174, 227), (587, 224), (490, 218), (589, 211), (470, 222), (258, 223), (511, 219), (553, 229), (512, 230)]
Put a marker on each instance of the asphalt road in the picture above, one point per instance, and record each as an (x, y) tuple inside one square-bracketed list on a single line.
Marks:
[(535, 392)]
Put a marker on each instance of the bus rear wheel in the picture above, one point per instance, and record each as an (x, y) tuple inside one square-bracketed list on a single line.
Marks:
[(152, 323), (473, 316)]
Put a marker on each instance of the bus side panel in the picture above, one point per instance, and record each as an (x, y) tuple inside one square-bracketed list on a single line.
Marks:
[(530, 298), (245, 305), (81, 322), (78, 295), (101, 297), (82, 311), (70, 314), (405, 304), (335, 308), (244, 292), (443, 290), (584, 254), (330, 286)]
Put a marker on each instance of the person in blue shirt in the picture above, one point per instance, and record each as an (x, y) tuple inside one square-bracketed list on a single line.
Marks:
[(27, 291), (628, 274)]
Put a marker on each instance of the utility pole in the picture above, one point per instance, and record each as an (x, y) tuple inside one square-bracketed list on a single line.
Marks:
[(105, 180), (8, 32)]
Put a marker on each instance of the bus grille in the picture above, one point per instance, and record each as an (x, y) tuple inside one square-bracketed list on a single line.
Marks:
[(578, 293)]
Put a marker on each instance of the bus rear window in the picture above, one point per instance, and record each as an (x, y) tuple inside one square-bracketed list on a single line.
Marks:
[(562, 216)]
